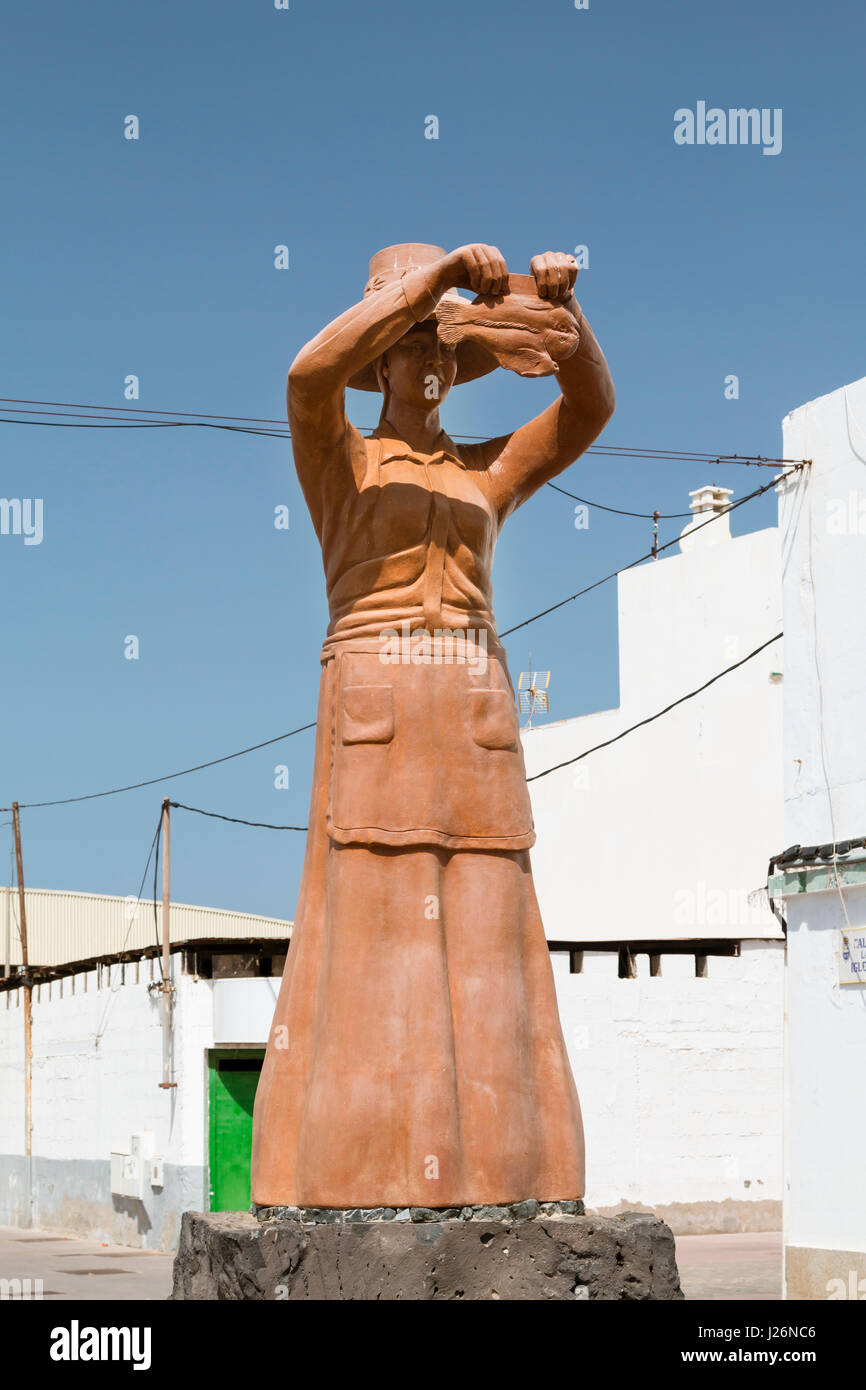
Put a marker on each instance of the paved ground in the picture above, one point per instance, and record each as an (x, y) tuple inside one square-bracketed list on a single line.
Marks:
[(83, 1269), (719, 1267), (747, 1265)]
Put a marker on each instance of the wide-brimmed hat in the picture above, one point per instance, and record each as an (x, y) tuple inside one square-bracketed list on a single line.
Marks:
[(390, 265)]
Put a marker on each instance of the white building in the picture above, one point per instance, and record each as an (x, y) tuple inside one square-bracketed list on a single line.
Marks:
[(650, 863), (824, 561), (116, 1156)]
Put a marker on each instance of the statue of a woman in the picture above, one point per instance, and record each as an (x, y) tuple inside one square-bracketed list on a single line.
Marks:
[(416, 1056)]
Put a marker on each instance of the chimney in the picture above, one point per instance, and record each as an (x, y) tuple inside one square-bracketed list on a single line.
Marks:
[(706, 502)]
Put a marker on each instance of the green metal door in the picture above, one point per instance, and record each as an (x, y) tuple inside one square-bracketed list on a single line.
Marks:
[(234, 1076)]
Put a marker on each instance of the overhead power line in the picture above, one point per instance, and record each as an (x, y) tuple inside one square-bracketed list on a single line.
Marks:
[(235, 820), (651, 554), (128, 416), (147, 425), (141, 410), (617, 511), (132, 916), (284, 434), (651, 719), (152, 781)]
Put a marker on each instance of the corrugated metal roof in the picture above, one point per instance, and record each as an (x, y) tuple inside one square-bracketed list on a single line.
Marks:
[(64, 927)]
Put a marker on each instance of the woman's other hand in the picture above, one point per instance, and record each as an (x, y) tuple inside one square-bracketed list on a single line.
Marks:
[(555, 274), (478, 267)]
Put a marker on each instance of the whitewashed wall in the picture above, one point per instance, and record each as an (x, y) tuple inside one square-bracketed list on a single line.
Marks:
[(667, 835), (668, 832), (680, 1083), (823, 522), (90, 1096)]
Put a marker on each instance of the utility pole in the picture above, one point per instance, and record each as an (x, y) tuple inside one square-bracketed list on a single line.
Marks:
[(28, 1024), (167, 987), (7, 956), (166, 888)]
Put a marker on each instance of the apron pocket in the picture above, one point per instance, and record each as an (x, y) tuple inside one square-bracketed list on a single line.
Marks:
[(494, 719), (368, 714)]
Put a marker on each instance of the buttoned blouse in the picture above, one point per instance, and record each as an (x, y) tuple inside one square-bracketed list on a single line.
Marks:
[(412, 541)]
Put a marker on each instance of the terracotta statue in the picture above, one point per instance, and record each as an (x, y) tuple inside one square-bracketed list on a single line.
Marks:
[(416, 1056)]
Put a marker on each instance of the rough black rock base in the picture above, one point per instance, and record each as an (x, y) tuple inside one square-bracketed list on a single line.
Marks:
[(233, 1255)]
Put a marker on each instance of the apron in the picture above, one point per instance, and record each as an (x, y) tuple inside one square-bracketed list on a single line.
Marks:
[(425, 752)]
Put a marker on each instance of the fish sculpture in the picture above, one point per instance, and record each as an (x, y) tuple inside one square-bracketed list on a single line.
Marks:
[(525, 334)]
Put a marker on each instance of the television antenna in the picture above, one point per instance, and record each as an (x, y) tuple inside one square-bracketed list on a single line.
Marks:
[(532, 692)]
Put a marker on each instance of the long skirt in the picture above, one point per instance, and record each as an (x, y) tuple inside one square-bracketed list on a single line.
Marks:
[(416, 1056)]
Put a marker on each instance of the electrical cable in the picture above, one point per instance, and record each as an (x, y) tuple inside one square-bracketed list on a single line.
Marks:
[(147, 425), (152, 781), (101, 1029), (276, 434), (236, 820), (617, 511), (141, 410), (849, 417), (121, 416), (651, 718), (155, 917), (822, 742), (651, 554)]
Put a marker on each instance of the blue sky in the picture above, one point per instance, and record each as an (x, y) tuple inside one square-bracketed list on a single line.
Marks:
[(306, 128)]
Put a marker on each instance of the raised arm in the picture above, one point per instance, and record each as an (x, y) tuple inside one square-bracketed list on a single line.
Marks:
[(321, 371), (324, 440), (520, 463), (327, 449)]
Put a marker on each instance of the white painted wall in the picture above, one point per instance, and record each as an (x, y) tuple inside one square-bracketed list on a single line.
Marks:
[(97, 1064), (668, 832), (242, 1011), (680, 1083), (823, 522)]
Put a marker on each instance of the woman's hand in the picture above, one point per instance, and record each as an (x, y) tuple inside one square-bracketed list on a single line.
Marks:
[(478, 267), (555, 273)]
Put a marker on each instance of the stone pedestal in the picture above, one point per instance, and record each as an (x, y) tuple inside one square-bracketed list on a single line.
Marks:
[(232, 1255)]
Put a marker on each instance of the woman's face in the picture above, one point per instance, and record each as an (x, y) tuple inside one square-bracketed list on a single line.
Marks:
[(420, 369)]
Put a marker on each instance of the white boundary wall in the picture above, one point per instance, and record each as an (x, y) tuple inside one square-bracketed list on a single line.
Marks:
[(680, 1084), (668, 833), (90, 1097)]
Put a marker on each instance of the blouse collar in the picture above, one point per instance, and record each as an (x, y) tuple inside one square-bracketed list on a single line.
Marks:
[(395, 448)]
